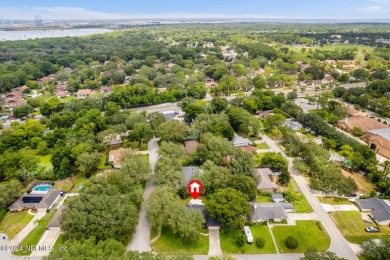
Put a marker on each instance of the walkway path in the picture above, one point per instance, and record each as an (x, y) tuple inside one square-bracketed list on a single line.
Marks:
[(214, 243), (141, 238), (338, 245), (273, 238)]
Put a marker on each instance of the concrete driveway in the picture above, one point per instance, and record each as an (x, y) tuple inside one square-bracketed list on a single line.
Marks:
[(214, 243), (47, 240), (333, 208), (141, 238)]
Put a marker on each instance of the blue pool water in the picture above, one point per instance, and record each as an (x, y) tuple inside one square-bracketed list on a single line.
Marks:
[(42, 187)]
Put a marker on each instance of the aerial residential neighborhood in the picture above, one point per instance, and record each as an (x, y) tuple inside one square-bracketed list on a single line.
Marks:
[(208, 133)]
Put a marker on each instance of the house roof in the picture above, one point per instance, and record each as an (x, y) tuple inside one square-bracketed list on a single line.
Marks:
[(355, 112), (115, 155), (364, 123), (191, 146), (277, 196), (85, 92), (188, 172), (248, 148), (384, 133), (334, 157), (210, 222), (240, 141), (267, 211), (265, 182), (291, 123), (56, 219), (380, 209), (287, 205), (38, 201)]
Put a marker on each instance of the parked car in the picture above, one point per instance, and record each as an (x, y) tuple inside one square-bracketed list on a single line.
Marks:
[(372, 229), (248, 234)]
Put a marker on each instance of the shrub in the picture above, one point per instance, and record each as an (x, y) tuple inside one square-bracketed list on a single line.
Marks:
[(241, 240), (183, 192), (291, 242), (260, 242)]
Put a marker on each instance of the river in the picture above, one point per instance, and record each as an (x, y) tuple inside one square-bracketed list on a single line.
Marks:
[(39, 34)]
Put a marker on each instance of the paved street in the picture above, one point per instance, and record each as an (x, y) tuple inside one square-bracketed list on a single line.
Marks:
[(338, 245), (141, 238), (258, 257)]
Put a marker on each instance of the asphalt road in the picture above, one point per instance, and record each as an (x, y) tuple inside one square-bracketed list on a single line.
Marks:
[(339, 244), (141, 238)]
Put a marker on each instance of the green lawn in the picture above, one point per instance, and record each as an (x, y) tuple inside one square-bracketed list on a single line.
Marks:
[(169, 244), (45, 161), (229, 241), (80, 180), (352, 227), (334, 201), (301, 205), (35, 235), (262, 146), (2, 214), (263, 199), (309, 233), (64, 184), (14, 222)]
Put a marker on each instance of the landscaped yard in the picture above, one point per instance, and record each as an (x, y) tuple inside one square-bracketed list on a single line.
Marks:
[(65, 185), (35, 235), (352, 226), (169, 244), (262, 146), (309, 233), (263, 199), (14, 222), (229, 241), (45, 161), (334, 201), (301, 205), (80, 180)]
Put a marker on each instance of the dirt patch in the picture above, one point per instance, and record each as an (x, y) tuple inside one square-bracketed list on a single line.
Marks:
[(355, 177)]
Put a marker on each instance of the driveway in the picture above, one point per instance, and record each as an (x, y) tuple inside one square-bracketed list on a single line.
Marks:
[(338, 245), (303, 216), (141, 238), (333, 208), (47, 240), (256, 257), (214, 243)]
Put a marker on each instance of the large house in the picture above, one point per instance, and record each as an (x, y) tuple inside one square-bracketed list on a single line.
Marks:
[(364, 123), (265, 183), (268, 211), (379, 140), (36, 201), (378, 208)]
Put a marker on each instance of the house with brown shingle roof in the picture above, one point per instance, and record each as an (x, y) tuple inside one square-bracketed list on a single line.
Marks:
[(115, 156), (83, 93), (191, 146), (364, 123)]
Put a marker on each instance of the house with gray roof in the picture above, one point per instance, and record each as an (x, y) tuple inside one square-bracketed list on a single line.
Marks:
[(188, 172), (36, 201), (277, 197), (56, 219), (268, 211), (239, 141), (292, 124), (378, 208), (265, 182)]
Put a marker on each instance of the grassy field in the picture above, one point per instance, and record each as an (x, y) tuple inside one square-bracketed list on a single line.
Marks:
[(35, 235), (301, 205), (229, 241), (2, 214), (169, 244), (334, 201), (262, 146), (65, 185), (263, 199), (309, 233), (14, 222), (80, 180), (352, 227), (45, 161)]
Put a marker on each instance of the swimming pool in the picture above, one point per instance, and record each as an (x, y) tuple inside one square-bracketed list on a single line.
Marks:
[(41, 189)]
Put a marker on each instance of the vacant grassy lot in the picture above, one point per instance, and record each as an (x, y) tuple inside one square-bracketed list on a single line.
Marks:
[(301, 205), (334, 201), (352, 226), (65, 185), (229, 241), (169, 244), (14, 222), (35, 235), (45, 161), (309, 233)]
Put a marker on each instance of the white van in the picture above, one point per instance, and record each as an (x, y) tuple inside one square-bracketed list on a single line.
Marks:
[(248, 234)]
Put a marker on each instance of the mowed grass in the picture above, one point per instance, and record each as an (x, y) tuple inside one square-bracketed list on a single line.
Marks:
[(229, 239), (170, 244), (65, 185), (35, 235), (309, 233), (301, 205), (262, 146), (352, 226), (334, 201), (14, 222), (45, 161)]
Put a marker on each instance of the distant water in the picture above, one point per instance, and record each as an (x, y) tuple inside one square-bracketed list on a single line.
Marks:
[(38, 34)]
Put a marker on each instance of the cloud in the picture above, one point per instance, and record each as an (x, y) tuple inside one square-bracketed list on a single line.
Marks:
[(380, 1), (371, 8)]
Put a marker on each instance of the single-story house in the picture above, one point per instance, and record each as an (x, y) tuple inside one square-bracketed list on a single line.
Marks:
[(364, 123), (265, 114), (210, 222), (115, 156), (378, 208), (56, 219), (240, 141), (265, 183), (292, 124), (191, 146), (379, 141), (288, 207), (267, 211), (36, 201), (354, 112), (169, 115), (105, 90), (277, 197), (188, 172), (83, 93), (336, 159)]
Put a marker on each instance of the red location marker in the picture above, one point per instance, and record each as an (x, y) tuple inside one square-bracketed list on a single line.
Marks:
[(195, 188)]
